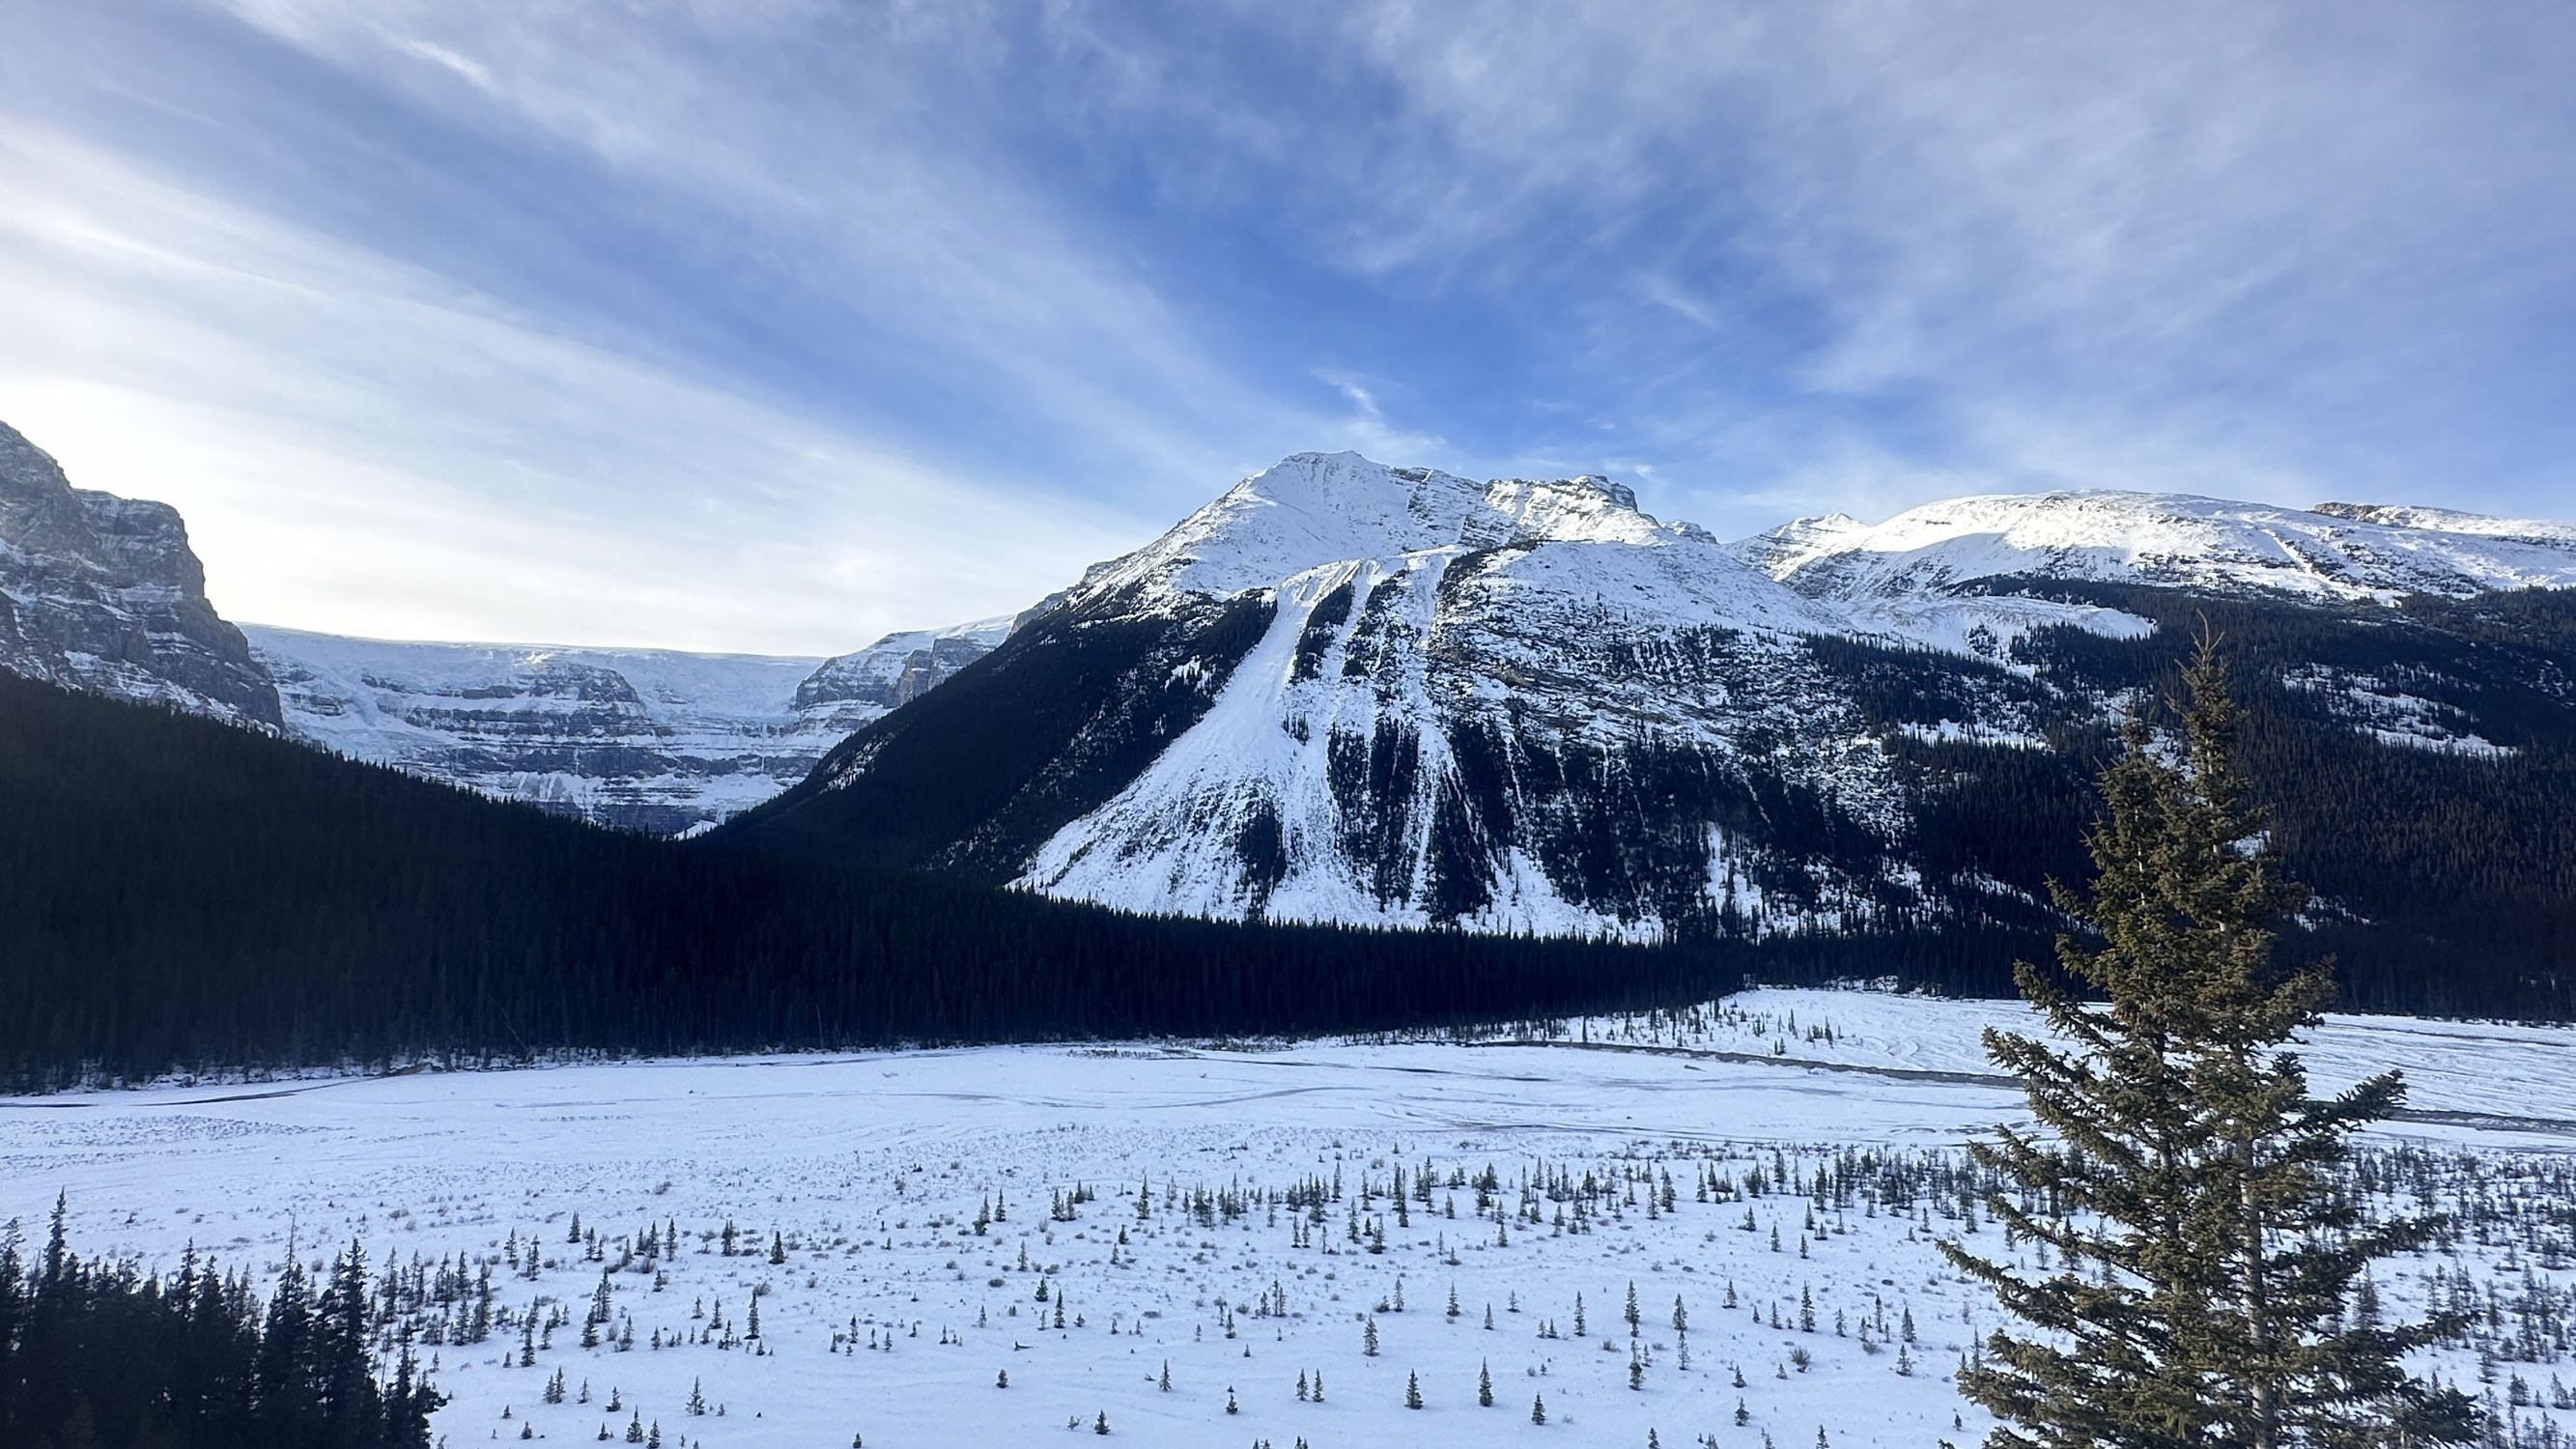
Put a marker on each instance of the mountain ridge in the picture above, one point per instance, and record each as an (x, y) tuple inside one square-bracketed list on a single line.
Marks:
[(662, 741), (2177, 539), (1346, 692), (103, 593)]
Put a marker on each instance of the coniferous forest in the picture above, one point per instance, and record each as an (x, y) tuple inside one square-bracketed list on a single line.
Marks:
[(97, 1352), (2445, 881), (185, 895)]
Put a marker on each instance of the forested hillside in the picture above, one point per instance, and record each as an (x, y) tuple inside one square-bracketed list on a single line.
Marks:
[(2420, 762), (178, 893)]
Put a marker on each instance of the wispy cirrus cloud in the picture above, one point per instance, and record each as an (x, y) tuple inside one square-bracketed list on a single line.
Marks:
[(931, 302), (356, 442)]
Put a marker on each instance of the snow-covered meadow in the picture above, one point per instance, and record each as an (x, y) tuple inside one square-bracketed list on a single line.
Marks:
[(1226, 1215)]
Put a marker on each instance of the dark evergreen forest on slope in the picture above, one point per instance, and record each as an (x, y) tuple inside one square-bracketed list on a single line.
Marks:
[(2446, 877), (177, 893)]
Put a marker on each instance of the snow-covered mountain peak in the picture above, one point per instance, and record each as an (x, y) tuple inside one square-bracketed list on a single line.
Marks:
[(1310, 510), (1348, 691), (1587, 509), (901, 666), (2166, 538), (1343, 691)]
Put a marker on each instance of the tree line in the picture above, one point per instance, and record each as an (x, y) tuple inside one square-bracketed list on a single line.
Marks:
[(2444, 879), (185, 896), (99, 1353)]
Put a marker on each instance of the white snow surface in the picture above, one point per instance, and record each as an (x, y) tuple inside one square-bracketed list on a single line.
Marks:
[(2167, 538), (1983, 626), (869, 1170), (2489, 1068)]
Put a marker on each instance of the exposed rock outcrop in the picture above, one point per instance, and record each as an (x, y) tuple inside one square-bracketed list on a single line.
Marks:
[(103, 593)]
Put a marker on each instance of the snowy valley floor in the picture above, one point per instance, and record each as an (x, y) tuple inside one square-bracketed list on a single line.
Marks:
[(891, 1318)]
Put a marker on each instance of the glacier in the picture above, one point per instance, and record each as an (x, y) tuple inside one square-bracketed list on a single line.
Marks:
[(639, 739)]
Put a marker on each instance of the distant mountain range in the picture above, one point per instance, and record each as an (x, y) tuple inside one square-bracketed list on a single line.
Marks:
[(1346, 692), (642, 739), (103, 593)]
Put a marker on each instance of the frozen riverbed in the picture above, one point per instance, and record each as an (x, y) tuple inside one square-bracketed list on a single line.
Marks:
[(1236, 1223)]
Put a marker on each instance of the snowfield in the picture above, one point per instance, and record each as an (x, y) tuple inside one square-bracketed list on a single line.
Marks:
[(1226, 1211)]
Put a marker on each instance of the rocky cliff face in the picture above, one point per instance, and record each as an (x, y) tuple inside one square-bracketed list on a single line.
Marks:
[(103, 593), (1390, 696)]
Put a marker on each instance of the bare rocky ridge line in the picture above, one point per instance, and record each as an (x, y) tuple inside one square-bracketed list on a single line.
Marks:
[(103, 593)]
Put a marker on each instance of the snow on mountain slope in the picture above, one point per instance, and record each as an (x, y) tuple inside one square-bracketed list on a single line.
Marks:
[(2446, 520), (103, 594), (642, 739), (2338, 552), (1332, 759), (1511, 705), (1393, 696), (1536, 622)]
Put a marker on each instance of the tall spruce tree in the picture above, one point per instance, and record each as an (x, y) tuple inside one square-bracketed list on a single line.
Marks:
[(2187, 1178)]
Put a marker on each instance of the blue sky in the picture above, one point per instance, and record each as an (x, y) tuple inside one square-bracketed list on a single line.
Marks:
[(774, 324)]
